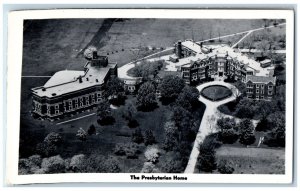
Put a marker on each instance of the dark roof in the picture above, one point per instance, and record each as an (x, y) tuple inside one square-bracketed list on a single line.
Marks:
[(261, 79)]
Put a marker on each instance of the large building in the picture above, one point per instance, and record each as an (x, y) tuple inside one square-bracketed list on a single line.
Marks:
[(201, 62), (260, 88), (68, 92)]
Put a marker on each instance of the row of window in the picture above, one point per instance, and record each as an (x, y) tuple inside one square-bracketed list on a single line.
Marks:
[(270, 92), (259, 85)]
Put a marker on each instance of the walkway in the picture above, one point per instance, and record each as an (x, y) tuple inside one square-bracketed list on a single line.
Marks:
[(209, 119)]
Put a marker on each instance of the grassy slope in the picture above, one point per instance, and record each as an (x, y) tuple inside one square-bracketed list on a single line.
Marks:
[(254, 160)]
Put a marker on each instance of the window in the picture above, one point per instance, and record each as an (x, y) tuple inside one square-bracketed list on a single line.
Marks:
[(87, 100), (257, 97), (262, 86), (270, 87), (270, 92), (186, 75), (261, 97), (48, 110), (249, 96), (81, 102), (70, 105), (249, 86), (93, 98), (257, 91), (257, 86), (99, 97), (262, 91)]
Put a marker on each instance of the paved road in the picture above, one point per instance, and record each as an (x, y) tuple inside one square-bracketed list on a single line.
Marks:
[(208, 122)]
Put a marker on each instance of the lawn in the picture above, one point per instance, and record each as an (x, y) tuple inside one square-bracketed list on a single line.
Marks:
[(53, 45), (253, 160), (216, 92)]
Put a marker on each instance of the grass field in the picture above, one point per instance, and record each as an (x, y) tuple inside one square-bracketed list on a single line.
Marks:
[(253, 160)]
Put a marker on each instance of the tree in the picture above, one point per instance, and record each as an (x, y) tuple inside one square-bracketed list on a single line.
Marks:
[(170, 88), (81, 134), (104, 113), (92, 130), (184, 121), (171, 136), (77, 163), (228, 130), (137, 136), (239, 89), (102, 164), (129, 114), (53, 138), (224, 167), (188, 98), (149, 137), (115, 91), (207, 160), (245, 108), (247, 136), (45, 149), (131, 150), (146, 99), (152, 154), (276, 136), (88, 53), (54, 164)]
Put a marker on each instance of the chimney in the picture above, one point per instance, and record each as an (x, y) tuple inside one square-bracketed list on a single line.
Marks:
[(95, 55), (80, 79)]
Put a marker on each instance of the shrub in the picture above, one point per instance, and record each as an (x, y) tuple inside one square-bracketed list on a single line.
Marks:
[(152, 154), (173, 165), (149, 167)]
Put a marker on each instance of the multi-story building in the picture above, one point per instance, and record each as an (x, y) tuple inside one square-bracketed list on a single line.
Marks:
[(68, 92), (202, 63), (260, 87)]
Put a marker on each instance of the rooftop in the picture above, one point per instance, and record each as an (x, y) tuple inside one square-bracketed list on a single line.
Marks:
[(192, 45), (65, 82), (261, 79)]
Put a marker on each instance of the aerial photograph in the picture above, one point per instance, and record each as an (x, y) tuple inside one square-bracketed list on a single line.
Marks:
[(130, 95)]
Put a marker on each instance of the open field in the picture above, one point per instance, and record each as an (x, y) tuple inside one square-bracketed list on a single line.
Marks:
[(253, 160), (53, 45)]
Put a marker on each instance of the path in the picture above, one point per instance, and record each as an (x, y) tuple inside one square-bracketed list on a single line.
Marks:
[(207, 125), (242, 39)]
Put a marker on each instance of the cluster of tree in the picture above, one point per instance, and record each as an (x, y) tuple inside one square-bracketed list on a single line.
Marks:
[(230, 131), (147, 70), (78, 163)]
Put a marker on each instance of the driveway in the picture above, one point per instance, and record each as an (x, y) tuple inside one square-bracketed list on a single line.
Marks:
[(208, 122)]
